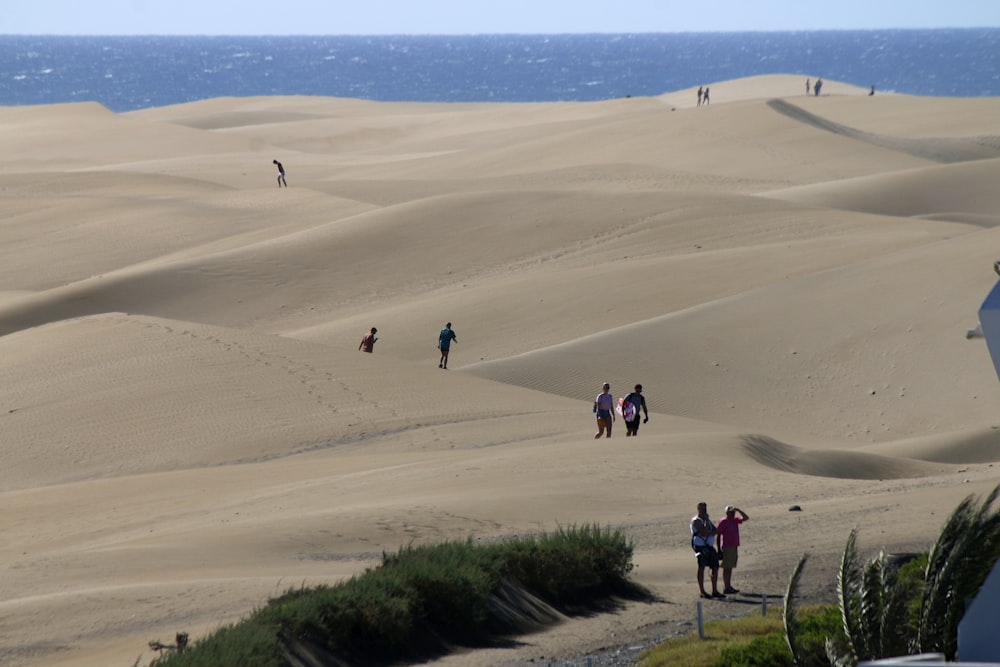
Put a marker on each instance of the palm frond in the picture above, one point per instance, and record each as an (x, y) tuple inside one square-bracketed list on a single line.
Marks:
[(940, 566), (958, 574), (894, 632), (869, 595), (838, 655), (848, 582), (789, 614)]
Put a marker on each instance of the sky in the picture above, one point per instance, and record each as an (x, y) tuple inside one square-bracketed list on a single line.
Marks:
[(454, 17)]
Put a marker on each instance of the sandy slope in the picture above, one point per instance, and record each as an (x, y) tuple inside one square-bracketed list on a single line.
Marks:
[(188, 427)]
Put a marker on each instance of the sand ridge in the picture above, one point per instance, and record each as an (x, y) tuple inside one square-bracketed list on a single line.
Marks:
[(188, 427)]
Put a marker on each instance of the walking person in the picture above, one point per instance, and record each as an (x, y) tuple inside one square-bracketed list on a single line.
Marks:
[(703, 539), (729, 543), (368, 340), (604, 408), (281, 174), (631, 405), (445, 339)]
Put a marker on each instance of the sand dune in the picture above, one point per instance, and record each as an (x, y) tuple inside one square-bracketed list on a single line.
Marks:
[(188, 426)]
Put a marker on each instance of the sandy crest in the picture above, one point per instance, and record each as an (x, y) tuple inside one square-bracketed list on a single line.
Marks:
[(188, 427)]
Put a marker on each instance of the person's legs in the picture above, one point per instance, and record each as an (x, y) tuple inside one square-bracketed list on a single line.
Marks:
[(715, 581), (601, 424), (701, 579), (729, 559)]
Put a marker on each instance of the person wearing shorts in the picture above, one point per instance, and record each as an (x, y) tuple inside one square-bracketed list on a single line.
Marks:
[(728, 541), (703, 540), (604, 409), (444, 344), (638, 402), (281, 173)]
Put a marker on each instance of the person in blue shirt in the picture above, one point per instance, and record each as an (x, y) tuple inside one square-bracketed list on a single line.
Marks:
[(444, 344)]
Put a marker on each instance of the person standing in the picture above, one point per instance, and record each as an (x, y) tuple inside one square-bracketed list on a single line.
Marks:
[(701, 91), (281, 174), (704, 96), (445, 339), (604, 408), (703, 538), (808, 89), (631, 405), (817, 86), (729, 543), (368, 341)]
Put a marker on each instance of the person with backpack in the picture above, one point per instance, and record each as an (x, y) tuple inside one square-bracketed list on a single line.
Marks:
[(703, 537), (631, 405)]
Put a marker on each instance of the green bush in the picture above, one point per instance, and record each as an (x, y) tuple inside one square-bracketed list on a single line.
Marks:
[(765, 651), (424, 599)]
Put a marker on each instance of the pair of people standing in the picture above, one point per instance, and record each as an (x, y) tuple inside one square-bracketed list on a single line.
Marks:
[(714, 545), (604, 410)]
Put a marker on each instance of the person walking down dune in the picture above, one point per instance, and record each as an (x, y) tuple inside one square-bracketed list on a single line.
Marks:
[(701, 92), (808, 88), (445, 339), (632, 405), (817, 86), (368, 341), (604, 409), (281, 174)]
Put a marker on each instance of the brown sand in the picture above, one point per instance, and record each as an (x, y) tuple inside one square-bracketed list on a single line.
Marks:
[(188, 427)]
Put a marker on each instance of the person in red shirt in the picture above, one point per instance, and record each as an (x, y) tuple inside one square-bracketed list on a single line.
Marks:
[(368, 340), (728, 542)]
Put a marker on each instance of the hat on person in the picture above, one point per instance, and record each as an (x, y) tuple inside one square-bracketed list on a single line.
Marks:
[(730, 508)]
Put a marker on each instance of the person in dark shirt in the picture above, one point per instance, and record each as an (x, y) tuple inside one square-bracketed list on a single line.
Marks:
[(444, 344)]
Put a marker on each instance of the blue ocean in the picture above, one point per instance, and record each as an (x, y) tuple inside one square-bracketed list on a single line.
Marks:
[(127, 73)]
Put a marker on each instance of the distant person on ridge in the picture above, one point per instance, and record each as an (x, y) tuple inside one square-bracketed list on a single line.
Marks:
[(444, 344), (872, 91), (704, 96), (808, 89), (817, 86), (368, 340), (281, 174), (604, 409), (701, 91)]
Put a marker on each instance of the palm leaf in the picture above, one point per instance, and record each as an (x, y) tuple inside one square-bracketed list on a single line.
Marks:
[(848, 582), (955, 572), (894, 622), (789, 614)]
